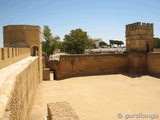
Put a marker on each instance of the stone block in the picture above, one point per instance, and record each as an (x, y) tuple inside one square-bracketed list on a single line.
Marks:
[(61, 111), (46, 74)]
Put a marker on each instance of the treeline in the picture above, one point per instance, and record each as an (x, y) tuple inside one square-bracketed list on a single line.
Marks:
[(76, 42), (116, 42), (156, 42)]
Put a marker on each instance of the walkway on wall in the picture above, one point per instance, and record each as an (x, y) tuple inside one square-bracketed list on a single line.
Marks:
[(8, 78), (100, 97)]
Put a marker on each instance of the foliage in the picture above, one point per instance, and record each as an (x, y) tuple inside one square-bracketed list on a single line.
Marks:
[(116, 42), (90, 44), (102, 44), (50, 43), (156, 42), (76, 42)]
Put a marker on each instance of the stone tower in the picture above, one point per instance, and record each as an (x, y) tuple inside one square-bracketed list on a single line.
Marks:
[(139, 37), (24, 36)]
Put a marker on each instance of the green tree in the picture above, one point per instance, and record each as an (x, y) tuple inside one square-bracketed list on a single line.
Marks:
[(121, 43), (50, 43), (90, 44), (76, 42), (112, 42), (116, 42), (102, 44), (156, 42)]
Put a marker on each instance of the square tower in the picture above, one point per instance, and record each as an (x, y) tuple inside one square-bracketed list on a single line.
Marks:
[(139, 37)]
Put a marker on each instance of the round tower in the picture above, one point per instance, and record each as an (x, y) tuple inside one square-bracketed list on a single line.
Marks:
[(23, 36)]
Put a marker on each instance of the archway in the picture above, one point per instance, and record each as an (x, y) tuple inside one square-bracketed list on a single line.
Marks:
[(148, 47), (34, 51)]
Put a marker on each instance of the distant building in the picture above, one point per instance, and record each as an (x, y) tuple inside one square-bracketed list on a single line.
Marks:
[(97, 41)]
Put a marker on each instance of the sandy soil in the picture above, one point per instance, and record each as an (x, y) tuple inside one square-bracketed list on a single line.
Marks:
[(101, 97)]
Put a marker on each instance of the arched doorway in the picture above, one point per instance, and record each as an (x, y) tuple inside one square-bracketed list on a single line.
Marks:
[(34, 51), (147, 48)]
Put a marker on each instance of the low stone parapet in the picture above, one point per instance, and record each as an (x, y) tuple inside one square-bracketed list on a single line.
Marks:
[(9, 56)]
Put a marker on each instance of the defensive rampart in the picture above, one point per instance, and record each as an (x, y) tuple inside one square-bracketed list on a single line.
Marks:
[(81, 65), (9, 56), (153, 61), (18, 86)]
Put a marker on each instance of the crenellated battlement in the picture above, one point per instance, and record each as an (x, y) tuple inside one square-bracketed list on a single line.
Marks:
[(139, 25), (9, 56)]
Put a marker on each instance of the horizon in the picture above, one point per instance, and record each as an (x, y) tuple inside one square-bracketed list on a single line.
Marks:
[(100, 19)]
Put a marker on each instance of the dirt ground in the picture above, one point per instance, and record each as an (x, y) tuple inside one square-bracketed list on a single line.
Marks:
[(106, 97)]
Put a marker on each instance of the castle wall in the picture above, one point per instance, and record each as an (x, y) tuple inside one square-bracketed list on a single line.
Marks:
[(153, 61), (18, 88), (9, 56), (81, 65), (137, 63)]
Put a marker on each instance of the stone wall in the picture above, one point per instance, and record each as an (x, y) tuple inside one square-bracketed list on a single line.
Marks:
[(153, 61), (9, 56), (24, 36), (137, 63), (81, 65), (139, 37), (19, 88)]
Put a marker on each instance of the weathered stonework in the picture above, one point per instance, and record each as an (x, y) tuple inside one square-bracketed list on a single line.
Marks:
[(46, 74), (21, 36), (61, 111), (18, 88), (137, 63), (24, 36), (139, 37), (153, 63), (9, 56), (24, 91), (81, 65)]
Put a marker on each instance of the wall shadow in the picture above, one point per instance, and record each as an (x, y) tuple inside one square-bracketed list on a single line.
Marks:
[(132, 75)]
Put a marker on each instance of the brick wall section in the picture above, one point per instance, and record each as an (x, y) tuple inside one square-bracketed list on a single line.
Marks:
[(55, 66), (9, 56), (137, 63), (46, 74), (81, 65), (153, 62)]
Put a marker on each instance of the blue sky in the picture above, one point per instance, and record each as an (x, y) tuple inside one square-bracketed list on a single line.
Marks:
[(104, 19)]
